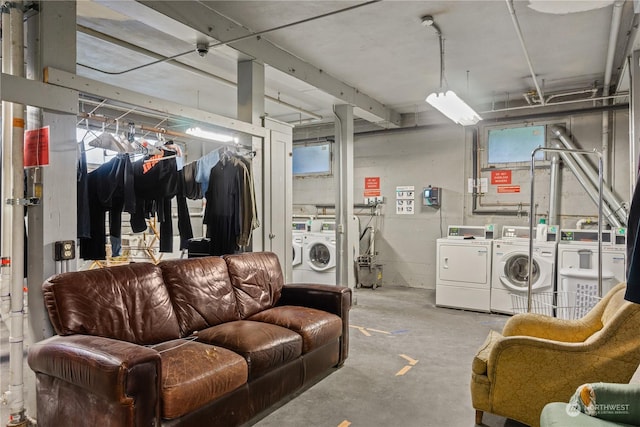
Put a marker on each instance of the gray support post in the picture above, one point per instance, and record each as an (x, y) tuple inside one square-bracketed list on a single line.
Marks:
[(343, 172), (250, 109), (54, 219)]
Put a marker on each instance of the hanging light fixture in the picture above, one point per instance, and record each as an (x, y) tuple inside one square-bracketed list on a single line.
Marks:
[(447, 102)]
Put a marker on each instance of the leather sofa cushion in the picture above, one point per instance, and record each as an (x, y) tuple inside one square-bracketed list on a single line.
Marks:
[(315, 326), (194, 374), (128, 303), (479, 364), (257, 281), (201, 292), (264, 346)]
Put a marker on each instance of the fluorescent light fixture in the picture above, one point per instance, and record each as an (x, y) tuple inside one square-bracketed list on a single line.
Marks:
[(220, 137), (449, 104)]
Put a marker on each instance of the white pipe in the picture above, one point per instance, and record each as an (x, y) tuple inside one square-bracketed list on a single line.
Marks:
[(516, 24), (16, 337), (613, 37), (5, 249), (554, 187)]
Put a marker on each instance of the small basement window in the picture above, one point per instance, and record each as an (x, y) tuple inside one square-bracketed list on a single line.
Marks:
[(312, 159), (511, 145)]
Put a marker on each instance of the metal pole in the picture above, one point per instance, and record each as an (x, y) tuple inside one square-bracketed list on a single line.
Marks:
[(575, 152), (16, 337), (5, 270)]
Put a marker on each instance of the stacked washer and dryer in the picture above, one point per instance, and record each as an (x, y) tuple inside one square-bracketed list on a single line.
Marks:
[(511, 264)]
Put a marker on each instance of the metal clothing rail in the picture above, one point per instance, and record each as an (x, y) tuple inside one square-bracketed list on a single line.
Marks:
[(532, 213)]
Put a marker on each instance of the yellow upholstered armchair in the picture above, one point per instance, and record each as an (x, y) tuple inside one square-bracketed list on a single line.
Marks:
[(539, 359)]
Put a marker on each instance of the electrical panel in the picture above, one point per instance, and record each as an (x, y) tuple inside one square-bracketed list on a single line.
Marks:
[(431, 196)]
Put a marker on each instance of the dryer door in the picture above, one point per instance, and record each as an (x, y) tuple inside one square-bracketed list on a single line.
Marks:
[(514, 272), (319, 256)]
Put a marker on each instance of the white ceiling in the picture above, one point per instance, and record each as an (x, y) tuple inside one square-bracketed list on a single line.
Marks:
[(380, 49)]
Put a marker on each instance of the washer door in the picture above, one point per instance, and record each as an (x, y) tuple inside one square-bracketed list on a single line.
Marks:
[(514, 273), (319, 256)]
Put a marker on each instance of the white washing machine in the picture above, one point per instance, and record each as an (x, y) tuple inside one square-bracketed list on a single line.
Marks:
[(578, 260), (511, 264), (299, 229), (463, 275), (319, 258)]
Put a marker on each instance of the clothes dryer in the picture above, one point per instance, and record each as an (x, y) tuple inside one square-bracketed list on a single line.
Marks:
[(319, 258), (511, 264), (463, 274), (578, 260)]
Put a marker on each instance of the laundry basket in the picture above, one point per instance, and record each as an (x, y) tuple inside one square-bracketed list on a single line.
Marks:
[(560, 304)]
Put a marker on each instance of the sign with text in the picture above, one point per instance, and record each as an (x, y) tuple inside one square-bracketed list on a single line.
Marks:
[(371, 186), (500, 177), (508, 189), (36, 147)]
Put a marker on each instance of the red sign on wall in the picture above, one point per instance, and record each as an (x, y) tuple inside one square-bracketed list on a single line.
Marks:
[(500, 177), (508, 189), (372, 183), (36, 147), (371, 186)]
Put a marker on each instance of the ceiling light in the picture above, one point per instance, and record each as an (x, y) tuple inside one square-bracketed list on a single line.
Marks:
[(449, 104), (446, 101), (220, 137)]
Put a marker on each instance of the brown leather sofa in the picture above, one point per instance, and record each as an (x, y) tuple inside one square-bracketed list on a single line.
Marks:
[(195, 342)]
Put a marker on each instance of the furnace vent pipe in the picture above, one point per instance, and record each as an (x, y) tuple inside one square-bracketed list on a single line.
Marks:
[(554, 187), (613, 205), (591, 191)]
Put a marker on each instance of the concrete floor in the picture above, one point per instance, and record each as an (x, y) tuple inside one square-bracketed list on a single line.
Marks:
[(409, 365), (391, 328)]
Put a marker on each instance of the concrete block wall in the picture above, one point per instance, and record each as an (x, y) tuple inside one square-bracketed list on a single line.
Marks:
[(441, 156)]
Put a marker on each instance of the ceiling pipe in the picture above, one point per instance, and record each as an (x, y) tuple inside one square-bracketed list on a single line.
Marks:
[(606, 120), (516, 24), (146, 52)]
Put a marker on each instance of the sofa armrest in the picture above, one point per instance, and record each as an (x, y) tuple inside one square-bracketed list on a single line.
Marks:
[(332, 299), (329, 298), (551, 328), (118, 371)]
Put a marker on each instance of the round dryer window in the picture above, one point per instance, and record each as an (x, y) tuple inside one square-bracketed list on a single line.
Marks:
[(515, 270), (319, 256)]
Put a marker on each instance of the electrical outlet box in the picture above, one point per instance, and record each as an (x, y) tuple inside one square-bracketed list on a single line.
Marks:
[(64, 250)]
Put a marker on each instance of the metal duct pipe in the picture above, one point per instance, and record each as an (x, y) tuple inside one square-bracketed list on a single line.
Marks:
[(16, 337), (592, 191), (516, 24), (611, 199), (5, 269), (606, 117), (554, 187)]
